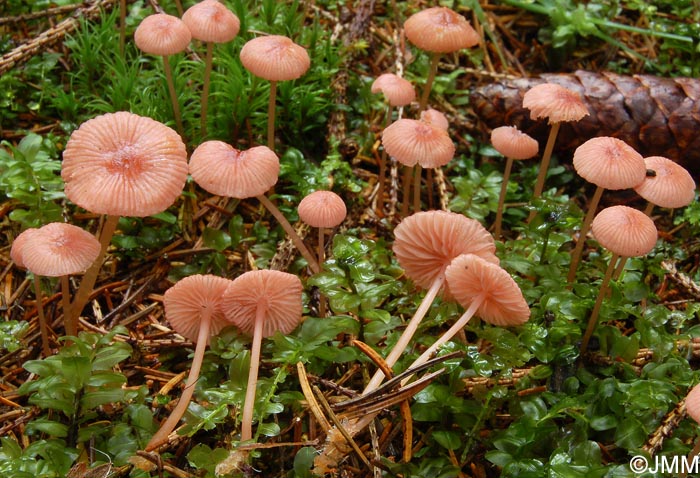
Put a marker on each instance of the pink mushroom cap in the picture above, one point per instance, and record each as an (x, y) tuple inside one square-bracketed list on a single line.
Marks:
[(211, 21), (441, 30), (162, 34), (275, 58), (413, 142), (322, 209), (59, 249)]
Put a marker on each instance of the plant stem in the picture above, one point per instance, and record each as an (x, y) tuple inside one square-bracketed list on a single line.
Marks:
[(381, 178), (70, 322), (161, 436), (313, 263), (544, 166), (434, 60), (417, 175), (576, 255), (205, 90), (271, 116), (502, 199), (43, 327), (173, 96), (593, 320), (249, 404), (321, 260), (406, 178)]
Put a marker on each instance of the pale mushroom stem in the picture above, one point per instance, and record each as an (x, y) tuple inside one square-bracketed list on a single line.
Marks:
[(69, 321), (578, 250), (408, 333), (381, 179), (544, 166), (43, 327), (205, 89), (418, 172), (161, 436), (271, 116), (502, 199), (313, 263), (434, 60), (173, 95), (593, 320), (321, 260), (406, 182), (249, 404), (88, 281)]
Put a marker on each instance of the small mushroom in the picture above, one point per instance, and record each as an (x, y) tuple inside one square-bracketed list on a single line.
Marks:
[(670, 186)]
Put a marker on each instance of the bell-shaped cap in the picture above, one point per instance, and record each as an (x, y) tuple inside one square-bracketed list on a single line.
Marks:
[(426, 242), (162, 34), (122, 164), (471, 278), (322, 209), (440, 30), (413, 142), (17, 248), (59, 249), (624, 231), (397, 91), (226, 171), (434, 118), (554, 102), (275, 58), (269, 295), (211, 21), (667, 184), (609, 163), (513, 143)]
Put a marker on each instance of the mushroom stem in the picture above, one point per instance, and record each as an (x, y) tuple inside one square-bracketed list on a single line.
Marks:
[(271, 116), (406, 182), (321, 260), (417, 174), (593, 320), (43, 327), (178, 5), (161, 436), (249, 404), (381, 179), (576, 255), (408, 333), (502, 199), (173, 95), (298, 242), (434, 60), (69, 321), (544, 166), (205, 90), (88, 282)]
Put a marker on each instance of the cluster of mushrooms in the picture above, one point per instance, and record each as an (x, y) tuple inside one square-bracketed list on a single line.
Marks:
[(122, 164)]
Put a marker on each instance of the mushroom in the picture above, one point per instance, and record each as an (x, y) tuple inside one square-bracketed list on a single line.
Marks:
[(398, 92), (164, 35), (609, 163), (558, 105), (425, 244), (274, 58), (121, 164), (193, 309), (55, 250), (223, 170), (513, 144), (435, 118), (261, 303), (322, 209), (211, 22), (626, 232)]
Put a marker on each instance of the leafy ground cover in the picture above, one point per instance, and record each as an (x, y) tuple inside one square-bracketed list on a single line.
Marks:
[(512, 402)]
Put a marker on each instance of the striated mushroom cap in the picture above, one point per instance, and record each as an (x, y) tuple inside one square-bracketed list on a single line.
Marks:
[(624, 231), (397, 91), (413, 142), (322, 209), (58, 249), (162, 34), (211, 21), (273, 296), (17, 248), (513, 143), (667, 184), (221, 169), (275, 58), (441, 30), (122, 164), (554, 102), (609, 163)]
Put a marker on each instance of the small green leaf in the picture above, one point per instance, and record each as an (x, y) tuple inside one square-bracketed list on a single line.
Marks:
[(216, 239)]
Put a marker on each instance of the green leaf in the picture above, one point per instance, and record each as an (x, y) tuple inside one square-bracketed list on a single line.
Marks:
[(108, 357), (91, 400), (50, 427), (216, 239), (269, 429), (447, 439)]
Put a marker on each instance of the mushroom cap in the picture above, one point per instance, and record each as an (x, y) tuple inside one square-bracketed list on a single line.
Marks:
[(211, 21), (513, 143), (692, 403), (426, 242), (671, 185), (322, 209), (552, 101), (609, 163), (275, 58), (397, 91), (123, 164), (186, 301), (624, 231), (411, 141), (440, 30), (59, 249), (222, 169), (162, 34), (277, 293), (435, 118), (470, 277), (17, 248)]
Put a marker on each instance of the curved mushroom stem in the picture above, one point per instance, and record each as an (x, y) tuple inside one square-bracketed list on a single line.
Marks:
[(43, 327), (408, 333), (161, 436), (205, 90), (576, 255), (271, 116), (313, 263), (249, 404), (88, 281), (321, 260), (544, 166), (173, 96), (434, 60), (502, 199), (69, 321), (593, 320)]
